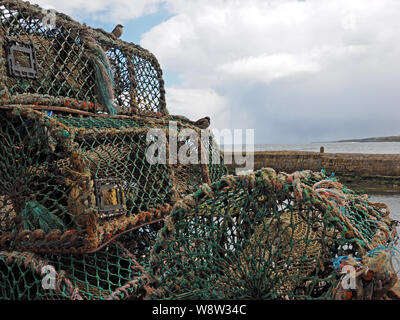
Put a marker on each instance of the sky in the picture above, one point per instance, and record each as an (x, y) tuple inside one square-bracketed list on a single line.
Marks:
[(294, 71)]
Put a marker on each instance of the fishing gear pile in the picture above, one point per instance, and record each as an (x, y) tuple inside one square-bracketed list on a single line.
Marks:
[(79, 110), (85, 213), (271, 235)]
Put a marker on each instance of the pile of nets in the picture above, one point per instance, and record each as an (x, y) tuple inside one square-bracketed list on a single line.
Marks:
[(70, 184), (85, 215), (274, 236), (265, 235), (76, 109)]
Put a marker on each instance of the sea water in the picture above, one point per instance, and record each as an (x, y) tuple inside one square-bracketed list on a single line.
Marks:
[(392, 200)]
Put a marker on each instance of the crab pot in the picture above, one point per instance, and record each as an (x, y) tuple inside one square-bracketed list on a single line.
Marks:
[(46, 58), (71, 183)]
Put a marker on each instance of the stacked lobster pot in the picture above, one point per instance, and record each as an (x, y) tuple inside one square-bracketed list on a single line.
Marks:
[(77, 108)]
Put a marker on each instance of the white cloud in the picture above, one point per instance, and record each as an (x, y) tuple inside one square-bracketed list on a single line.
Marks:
[(266, 68), (198, 103), (104, 10), (209, 36), (329, 54)]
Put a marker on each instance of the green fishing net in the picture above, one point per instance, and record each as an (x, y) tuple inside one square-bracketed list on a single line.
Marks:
[(266, 236), (85, 215)]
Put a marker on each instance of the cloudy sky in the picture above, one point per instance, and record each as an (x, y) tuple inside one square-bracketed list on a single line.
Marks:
[(295, 71)]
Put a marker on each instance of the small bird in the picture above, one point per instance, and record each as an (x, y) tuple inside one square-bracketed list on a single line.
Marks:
[(117, 32), (202, 123)]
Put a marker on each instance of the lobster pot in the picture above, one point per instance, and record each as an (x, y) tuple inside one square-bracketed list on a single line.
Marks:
[(73, 182), (47, 58), (111, 273), (274, 236)]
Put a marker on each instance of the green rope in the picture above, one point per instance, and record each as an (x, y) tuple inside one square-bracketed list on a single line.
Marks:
[(35, 216)]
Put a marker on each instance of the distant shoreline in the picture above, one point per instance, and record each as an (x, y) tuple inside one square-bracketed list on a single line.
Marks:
[(329, 147), (379, 139)]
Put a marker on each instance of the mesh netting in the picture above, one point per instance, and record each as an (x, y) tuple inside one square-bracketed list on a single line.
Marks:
[(68, 184), (80, 201), (268, 236), (264, 235), (117, 271), (71, 65)]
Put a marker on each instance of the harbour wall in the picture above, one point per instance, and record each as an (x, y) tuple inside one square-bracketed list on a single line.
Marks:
[(364, 172)]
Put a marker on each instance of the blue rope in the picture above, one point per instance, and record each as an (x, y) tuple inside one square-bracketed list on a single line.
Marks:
[(338, 260)]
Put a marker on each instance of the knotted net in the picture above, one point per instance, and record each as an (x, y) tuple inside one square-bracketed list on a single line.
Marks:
[(266, 236)]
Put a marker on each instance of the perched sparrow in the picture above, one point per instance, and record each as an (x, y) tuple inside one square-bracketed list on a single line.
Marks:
[(117, 32), (203, 123)]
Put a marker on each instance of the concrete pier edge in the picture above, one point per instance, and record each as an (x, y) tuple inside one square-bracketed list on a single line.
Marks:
[(371, 173)]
